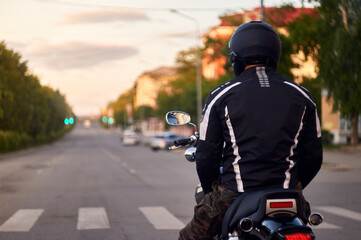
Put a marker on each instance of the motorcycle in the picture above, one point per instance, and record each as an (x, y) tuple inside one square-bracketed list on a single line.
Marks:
[(269, 214)]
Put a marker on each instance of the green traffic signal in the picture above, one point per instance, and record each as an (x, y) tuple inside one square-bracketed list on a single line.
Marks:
[(71, 120), (66, 121), (104, 119)]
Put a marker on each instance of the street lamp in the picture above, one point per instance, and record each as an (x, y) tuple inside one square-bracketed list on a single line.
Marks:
[(262, 11), (198, 66)]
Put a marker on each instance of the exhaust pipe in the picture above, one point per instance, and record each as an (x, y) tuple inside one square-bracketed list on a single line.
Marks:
[(246, 224), (315, 219)]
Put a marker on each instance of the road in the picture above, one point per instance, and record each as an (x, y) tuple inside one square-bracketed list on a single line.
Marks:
[(88, 186)]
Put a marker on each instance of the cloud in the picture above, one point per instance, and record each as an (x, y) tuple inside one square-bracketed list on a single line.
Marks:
[(80, 55), (178, 35), (100, 16)]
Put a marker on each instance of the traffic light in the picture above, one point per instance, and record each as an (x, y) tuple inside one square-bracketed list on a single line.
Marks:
[(104, 119), (69, 120)]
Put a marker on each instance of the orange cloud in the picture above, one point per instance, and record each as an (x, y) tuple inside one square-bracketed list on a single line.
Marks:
[(106, 16), (80, 54)]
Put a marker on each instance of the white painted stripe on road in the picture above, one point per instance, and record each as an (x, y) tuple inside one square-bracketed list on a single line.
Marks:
[(111, 155), (22, 221), (92, 218), (341, 212), (161, 218), (326, 225)]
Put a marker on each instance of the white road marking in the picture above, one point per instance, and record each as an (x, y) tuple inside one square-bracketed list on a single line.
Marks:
[(111, 155), (22, 221), (92, 218), (326, 225), (161, 218), (341, 212)]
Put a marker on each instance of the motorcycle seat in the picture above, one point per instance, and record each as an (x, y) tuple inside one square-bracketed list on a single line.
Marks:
[(253, 205)]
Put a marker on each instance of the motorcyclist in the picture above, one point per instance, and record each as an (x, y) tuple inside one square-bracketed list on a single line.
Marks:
[(260, 126)]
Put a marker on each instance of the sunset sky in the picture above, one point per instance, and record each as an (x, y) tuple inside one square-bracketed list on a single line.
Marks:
[(94, 50)]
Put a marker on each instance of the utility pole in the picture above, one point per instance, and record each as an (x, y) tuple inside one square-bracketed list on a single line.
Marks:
[(262, 11)]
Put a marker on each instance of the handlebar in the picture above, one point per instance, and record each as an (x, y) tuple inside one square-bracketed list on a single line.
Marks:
[(185, 141), (182, 142)]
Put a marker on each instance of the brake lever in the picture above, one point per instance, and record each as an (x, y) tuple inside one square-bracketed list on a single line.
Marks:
[(173, 147)]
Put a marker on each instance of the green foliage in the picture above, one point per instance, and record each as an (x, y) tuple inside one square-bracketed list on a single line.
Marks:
[(184, 93), (29, 112), (334, 41), (231, 20), (144, 112), (286, 64), (183, 97), (119, 106), (314, 87), (327, 137)]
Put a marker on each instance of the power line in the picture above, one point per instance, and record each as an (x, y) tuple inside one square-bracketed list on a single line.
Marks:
[(165, 9)]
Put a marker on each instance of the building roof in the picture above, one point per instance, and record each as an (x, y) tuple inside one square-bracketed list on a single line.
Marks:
[(278, 17), (161, 72)]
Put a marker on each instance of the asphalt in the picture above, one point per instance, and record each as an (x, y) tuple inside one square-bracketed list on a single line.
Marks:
[(347, 157)]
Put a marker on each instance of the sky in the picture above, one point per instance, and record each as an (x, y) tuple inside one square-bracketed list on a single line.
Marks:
[(94, 50)]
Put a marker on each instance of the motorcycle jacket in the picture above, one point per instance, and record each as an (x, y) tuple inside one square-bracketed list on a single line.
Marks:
[(263, 129)]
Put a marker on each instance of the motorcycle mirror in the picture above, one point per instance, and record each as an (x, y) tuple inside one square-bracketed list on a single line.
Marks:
[(177, 118)]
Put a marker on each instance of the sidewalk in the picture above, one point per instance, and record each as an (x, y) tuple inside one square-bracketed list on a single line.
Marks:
[(347, 157)]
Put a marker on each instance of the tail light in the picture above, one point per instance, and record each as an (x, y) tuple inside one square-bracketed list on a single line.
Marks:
[(281, 204), (298, 236), (275, 207)]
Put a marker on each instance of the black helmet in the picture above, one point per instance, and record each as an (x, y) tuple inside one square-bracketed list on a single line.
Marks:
[(253, 43)]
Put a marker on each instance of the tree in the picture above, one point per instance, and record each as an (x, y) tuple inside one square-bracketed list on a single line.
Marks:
[(184, 90), (334, 41), (27, 109), (119, 106)]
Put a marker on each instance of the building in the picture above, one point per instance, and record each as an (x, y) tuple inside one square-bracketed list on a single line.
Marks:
[(150, 83), (147, 88)]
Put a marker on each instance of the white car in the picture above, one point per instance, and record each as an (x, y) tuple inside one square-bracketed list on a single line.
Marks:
[(87, 123), (163, 141), (130, 138)]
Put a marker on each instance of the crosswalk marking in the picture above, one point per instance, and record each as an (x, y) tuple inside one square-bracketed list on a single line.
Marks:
[(161, 218), (22, 221), (96, 218), (92, 218), (341, 212)]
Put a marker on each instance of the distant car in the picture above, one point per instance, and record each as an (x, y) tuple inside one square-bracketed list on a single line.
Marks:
[(130, 138), (163, 141), (87, 123)]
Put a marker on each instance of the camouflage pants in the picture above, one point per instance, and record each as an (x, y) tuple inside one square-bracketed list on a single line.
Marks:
[(208, 214)]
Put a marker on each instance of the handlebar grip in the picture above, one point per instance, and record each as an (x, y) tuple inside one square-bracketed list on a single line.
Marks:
[(183, 142)]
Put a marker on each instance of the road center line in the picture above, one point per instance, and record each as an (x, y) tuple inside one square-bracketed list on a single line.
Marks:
[(22, 221), (111, 155), (161, 218), (92, 218), (341, 212)]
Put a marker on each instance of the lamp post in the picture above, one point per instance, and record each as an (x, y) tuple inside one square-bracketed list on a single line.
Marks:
[(198, 66), (262, 11)]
